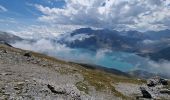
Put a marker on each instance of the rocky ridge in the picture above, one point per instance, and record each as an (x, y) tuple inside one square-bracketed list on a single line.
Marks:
[(26, 75)]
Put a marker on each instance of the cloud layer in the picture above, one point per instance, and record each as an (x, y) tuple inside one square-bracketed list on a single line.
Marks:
[(103, 57), (114, 14)]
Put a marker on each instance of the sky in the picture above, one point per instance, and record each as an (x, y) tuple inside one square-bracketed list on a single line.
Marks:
[(33, 18)]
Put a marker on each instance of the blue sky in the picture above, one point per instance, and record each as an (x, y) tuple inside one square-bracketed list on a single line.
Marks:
[(53, 17), (25, 8), (23, 12)]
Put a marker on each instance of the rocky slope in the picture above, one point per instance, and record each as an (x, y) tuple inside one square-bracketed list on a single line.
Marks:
[(26, 75), (7, 37)]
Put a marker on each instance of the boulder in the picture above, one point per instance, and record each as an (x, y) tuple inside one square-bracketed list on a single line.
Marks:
[(27, 54), (4, 51), (151, 83), (163, 81), (52, 89), (156, 81), (166, 91), (145, 93)]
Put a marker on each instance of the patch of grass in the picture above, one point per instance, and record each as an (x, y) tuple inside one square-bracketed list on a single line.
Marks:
[(101, 82), (105, 81), (82, 87)]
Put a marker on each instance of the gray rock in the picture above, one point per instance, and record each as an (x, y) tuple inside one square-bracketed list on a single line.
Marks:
[(27, 54), (167, 91), (145, 93)]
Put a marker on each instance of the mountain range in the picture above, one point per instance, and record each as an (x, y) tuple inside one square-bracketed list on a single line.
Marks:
[(128, 41), (153, 44)]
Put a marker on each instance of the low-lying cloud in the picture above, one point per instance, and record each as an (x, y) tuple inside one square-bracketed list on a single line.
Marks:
[(162, 67), (44, 46), (103, 57)]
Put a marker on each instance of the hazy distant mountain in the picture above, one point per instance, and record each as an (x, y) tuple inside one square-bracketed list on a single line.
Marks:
[(162, 54), (128, 41), (96, 39), (157, 35), (9, 38)]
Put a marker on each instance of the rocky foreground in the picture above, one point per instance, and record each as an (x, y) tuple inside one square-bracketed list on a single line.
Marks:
[(26, 75)]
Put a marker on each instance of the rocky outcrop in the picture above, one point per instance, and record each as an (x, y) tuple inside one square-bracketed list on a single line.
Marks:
[(5, 43), (156, 88), (55, 91), (145, 93), (27, 54)]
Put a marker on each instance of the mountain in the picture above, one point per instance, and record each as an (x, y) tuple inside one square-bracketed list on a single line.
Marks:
[(158, 35), (9, 38), (97, 39), (128, 41), (159, 55)]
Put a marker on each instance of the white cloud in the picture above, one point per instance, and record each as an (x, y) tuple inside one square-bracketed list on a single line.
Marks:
[(42, 31), (79, 37), (160, 67), (8, 20), (148, 41), (101, 53), (3, 9), (114, 14), (40, 46)]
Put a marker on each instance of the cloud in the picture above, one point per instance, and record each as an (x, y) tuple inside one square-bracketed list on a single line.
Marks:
[(60, 51), (41, 30), (148, 41), (114, 14), (3, 9), (8, 20), (103, 57), (39, 46), (101, 53), (162, 67), (69, 38)]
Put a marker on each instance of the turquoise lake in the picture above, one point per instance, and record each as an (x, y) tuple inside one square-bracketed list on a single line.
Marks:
[(117, 60)]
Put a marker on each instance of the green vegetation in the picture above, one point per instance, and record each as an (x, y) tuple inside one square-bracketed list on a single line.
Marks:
[(105, 81), (82, 87)]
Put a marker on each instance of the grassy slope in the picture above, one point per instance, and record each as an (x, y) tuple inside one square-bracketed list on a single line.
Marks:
[(99, 79)]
